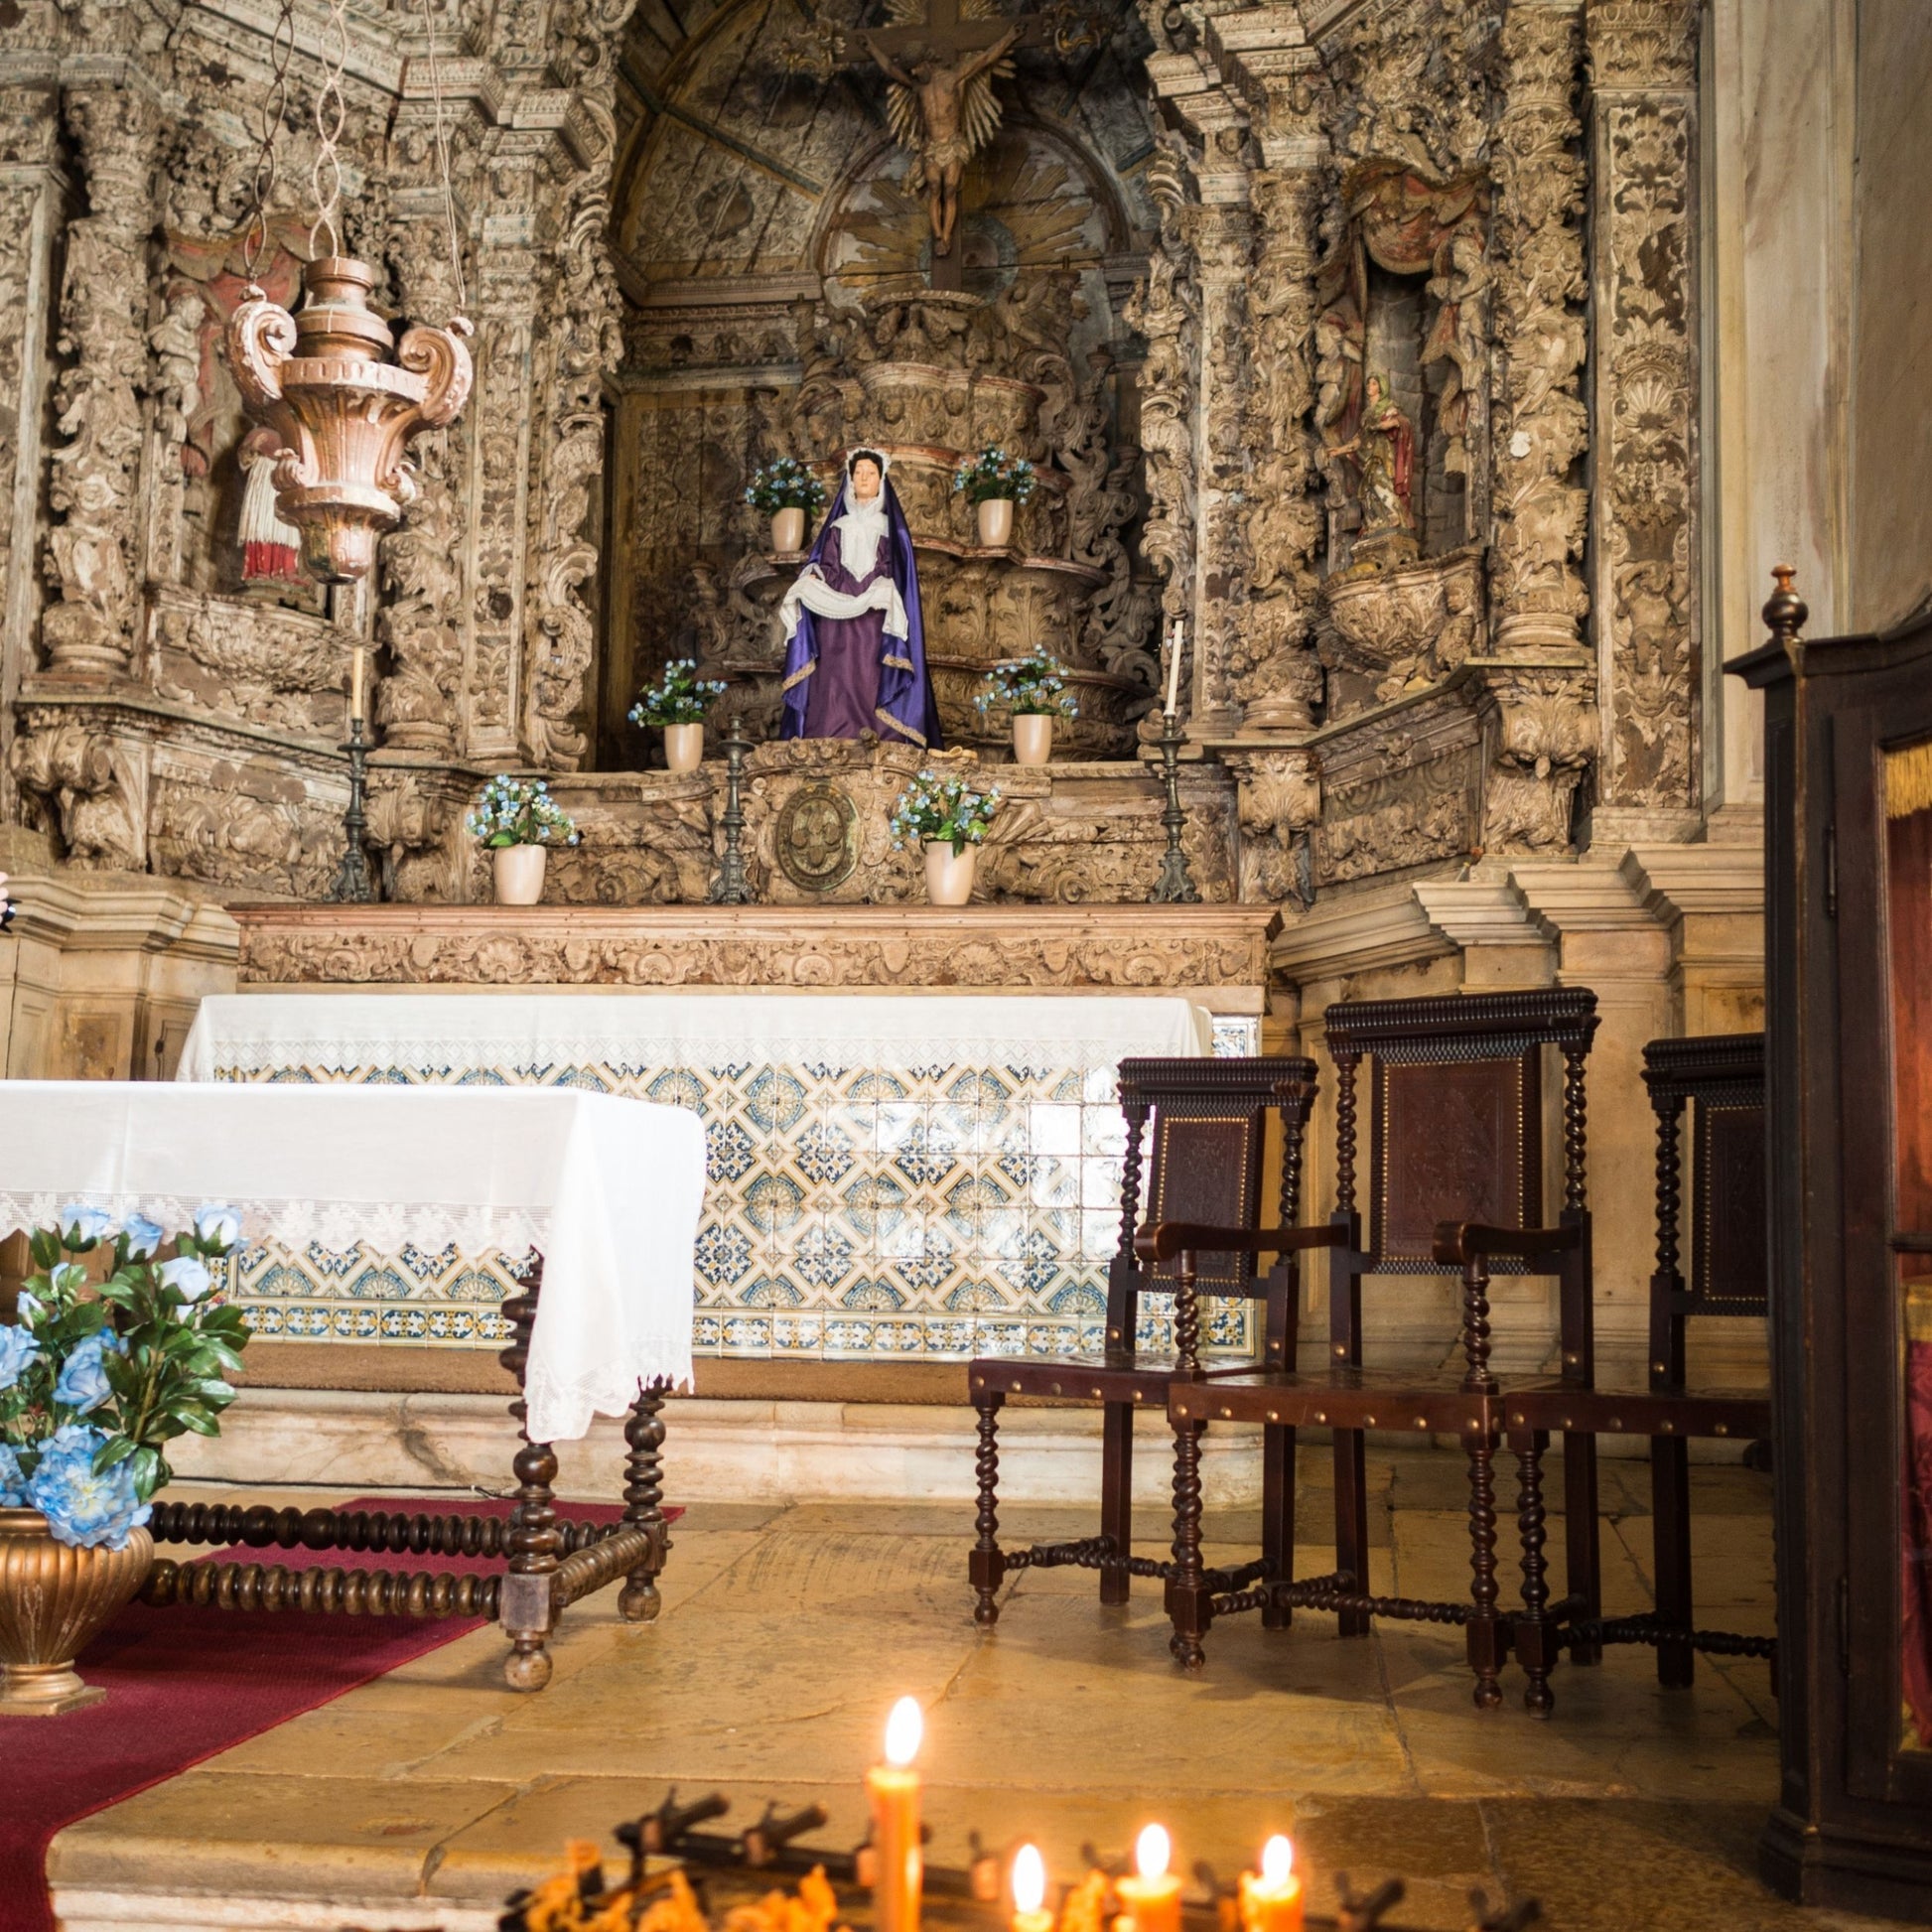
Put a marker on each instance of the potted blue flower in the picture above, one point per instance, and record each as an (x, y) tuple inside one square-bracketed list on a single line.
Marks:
[(993, 482), (949, 818), (1032, 692), (516, 820), (96, 1377), (789, 494), (677, 704)]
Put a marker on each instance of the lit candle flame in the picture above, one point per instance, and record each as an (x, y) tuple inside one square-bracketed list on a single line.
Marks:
[(1029, 1880), (903, 1729), (1277, 1862), (1152, 1850)]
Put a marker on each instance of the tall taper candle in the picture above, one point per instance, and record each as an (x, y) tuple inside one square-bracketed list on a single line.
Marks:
[(359, 682), (893, 1789), (1173, 667)]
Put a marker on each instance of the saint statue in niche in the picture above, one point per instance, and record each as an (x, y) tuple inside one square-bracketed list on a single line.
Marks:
[(1384, 449), (855, 638)]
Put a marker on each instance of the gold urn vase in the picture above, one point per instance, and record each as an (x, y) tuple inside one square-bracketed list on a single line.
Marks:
[(55, 1599), (345, 414)]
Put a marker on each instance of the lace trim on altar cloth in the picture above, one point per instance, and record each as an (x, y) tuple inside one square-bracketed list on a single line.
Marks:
[(338, 1226), (561, 1406), (483, 1062)]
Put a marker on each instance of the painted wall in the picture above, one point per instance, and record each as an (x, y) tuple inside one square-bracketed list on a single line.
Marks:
[(1890, 429)]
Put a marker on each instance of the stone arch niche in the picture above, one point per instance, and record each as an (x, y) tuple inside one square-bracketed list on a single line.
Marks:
[(781, 302), (1402, 410)]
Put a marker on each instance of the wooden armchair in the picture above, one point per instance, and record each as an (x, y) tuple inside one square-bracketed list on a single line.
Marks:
[(1456, 1156), (1719, 1079), (1196, 1127)]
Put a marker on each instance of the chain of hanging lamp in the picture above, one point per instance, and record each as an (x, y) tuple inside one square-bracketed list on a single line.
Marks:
[(320, 377)]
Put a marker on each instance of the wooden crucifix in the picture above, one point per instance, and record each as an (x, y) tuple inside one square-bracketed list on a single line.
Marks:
[(941, 58)]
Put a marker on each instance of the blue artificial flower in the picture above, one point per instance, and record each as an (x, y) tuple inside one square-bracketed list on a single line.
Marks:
[(82, 1507), (13, 1485), (82, 1227), (83, 1382), (219, 1228), (143, 1237), (187, 1274), (19, 1351)]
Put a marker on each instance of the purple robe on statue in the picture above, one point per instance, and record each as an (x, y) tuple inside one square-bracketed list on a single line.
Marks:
[(847, 675)]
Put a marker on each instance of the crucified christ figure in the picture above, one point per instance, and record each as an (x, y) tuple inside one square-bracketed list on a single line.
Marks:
[(943, 117)]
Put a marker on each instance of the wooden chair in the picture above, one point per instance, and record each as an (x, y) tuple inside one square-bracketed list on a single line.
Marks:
[(1456, 1156), (1203, 1158), (1719, 1079)]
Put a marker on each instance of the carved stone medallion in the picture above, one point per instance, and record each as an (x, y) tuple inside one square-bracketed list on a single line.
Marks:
[(816, 837)]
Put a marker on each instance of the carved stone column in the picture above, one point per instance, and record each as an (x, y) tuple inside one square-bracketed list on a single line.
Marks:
[(1645, 534), (1274, 673), (422, 619), (92, 550), (30, 192), (1221, 235), (1540, 423)]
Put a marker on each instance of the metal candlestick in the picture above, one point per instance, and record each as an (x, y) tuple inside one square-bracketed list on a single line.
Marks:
[(731, 887), (353, 881), (1174, 885)]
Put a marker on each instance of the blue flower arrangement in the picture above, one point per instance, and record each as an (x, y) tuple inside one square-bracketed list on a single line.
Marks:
[(783, 485), (95, 1376), (1033, 687), (520, 811), (992, 477), (934, 810), (679, 697)]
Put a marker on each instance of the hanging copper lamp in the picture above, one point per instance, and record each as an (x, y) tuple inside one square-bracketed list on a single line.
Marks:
[(345, 413)]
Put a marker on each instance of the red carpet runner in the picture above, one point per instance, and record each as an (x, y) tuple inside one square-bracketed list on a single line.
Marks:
[(184, 1683)]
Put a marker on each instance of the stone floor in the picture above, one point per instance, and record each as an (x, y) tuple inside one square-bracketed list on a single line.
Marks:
[(424, 1798)]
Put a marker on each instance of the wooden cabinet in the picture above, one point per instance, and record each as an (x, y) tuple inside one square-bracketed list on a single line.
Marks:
[(1849, 1100)]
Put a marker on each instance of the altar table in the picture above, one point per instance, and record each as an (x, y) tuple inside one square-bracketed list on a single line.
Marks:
[(890, 1174), (601, 1194)]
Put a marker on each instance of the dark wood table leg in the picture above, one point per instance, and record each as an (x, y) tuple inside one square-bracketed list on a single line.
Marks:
[(985, 1566), (644, 1500), (1486, 1631), (1669, 1523), (1116, 1497), (1535, 1646), (528, 1611), (1278, 1518)]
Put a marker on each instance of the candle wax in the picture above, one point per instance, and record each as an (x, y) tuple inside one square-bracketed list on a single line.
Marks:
[(358, 679), (1271, 1908), (893, 1791), (1154, 1904)]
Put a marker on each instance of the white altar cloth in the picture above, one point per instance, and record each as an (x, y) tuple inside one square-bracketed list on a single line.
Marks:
[(330, 1034), (610, 1190)]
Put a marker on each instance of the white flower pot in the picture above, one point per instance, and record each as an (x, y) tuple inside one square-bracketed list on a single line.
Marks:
[(788, 530), (1032, 737), (995, 523), (519, 873), (684, 746), (949, 875)]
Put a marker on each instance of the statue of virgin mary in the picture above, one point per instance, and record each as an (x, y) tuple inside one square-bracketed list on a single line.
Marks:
[(854, 639)]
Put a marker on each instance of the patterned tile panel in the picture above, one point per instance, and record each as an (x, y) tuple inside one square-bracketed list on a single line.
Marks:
[(934, 1210)]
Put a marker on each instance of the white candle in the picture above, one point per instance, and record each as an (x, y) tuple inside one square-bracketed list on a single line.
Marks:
[(359, 682), (1173, 667)]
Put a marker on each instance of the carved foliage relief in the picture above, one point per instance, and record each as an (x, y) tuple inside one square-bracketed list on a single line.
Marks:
[(1641, 56)]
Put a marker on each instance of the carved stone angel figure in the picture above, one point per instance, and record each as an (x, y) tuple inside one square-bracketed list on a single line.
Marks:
[(942, 112)]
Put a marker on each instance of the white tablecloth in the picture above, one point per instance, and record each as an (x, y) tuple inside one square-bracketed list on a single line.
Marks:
[(332, 1033), (609, 1190)]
